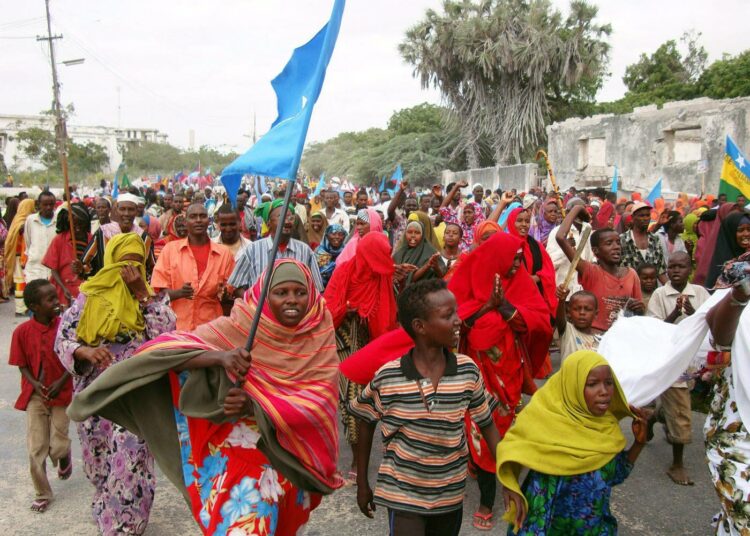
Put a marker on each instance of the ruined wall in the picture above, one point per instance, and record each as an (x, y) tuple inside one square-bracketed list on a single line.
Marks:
[(650, 143), (521, 177)]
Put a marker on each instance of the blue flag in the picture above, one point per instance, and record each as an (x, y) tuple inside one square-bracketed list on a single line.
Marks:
[(321, 184), (655, 192), (396, 179), (297, 87), (382, 185), (115, 187), (615, 181)]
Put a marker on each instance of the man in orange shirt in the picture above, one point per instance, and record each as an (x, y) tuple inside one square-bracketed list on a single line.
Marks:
[(194, 271)]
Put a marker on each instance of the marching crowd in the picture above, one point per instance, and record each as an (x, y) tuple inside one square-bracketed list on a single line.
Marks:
[(431, 312)]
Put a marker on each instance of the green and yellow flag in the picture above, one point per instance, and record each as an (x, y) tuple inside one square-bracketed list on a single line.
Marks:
[(735, 173)]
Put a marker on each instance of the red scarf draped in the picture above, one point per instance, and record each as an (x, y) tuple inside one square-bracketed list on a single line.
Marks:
[(366, 282), (546, 274)]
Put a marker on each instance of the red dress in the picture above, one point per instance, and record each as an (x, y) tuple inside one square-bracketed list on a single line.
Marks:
[(59, 257)]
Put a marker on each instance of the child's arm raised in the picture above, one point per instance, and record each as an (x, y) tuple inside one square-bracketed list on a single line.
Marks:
[(578, 211), (364, 493), (639, 426), (560, 317)]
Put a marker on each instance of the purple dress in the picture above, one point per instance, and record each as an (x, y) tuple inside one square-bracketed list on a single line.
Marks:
[(116, 462)]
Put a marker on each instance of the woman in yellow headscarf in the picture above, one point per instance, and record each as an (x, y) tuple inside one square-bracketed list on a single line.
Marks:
[(15, 252), (569, 437), (114, 314)]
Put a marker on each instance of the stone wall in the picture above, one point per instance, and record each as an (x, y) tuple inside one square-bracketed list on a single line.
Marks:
[(674, 142), (521, 177)]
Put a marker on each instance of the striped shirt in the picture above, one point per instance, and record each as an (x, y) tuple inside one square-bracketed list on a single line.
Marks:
[(424, 466), (253, 259)]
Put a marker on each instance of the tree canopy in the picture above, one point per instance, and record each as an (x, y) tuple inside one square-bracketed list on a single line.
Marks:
[(500, 64), (38, 144)]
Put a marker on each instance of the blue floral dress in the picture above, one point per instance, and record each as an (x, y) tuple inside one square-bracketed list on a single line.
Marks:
[(576, 504)]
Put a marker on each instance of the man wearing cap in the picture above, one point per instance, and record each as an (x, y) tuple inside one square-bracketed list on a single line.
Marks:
[(559, 259), (194, 271), (93, 258), (253, 259), (641, 247)]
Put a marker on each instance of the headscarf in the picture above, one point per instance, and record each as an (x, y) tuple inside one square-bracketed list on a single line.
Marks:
[(25, 209), (313, 236), (556, 434), (486, 225), (110, 308), (264, 209), (11, 208), (504, 216), (727, 247), (328, 255), (538, 263), (366, 215), (709, 229), (689, 232), (366, 282), (472, 284), (541, 228), (427, 228), (418, 255)]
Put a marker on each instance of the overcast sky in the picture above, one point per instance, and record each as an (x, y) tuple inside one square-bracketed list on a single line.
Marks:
[(207, 65)]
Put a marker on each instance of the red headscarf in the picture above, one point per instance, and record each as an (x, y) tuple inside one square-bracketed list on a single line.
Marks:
[(538, 263), (472, 285), (366, 282)]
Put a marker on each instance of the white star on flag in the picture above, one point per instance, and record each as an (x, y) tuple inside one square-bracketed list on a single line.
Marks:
[(741, 161)]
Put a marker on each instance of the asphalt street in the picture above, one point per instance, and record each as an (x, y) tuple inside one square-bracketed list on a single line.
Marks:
[(648, 503)]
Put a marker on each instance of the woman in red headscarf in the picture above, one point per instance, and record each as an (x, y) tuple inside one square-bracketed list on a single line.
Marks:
[(506, 330), (361, 299)]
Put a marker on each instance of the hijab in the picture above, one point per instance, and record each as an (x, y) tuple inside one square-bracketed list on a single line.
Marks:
[(689, 232), (727, 247), (25, 209), (542, 228), (110, 308), (366, 215), (11, 208), (556, 434), (313, 236), (428, 229), (417, 255), (328, 255), (365, 282), (486, 225), (538, 263)]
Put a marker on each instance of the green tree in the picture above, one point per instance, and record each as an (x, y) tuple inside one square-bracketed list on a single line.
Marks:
[(87, 158), (38, 145), (497, 64), (421, 118), (727, 78)]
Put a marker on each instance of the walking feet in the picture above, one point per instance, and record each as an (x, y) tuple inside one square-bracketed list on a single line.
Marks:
[(679, 475), (483, 521), (65, 467), (40, 506)]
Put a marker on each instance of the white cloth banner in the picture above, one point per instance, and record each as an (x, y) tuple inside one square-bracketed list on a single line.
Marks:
[(647, 355)]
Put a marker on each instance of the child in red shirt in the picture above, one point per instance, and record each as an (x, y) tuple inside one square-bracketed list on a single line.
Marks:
[(46, 389)]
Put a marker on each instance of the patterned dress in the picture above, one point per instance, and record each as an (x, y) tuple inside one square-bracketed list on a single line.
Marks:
[(576, 504), (116, 462), (351, 336), (728, 453)]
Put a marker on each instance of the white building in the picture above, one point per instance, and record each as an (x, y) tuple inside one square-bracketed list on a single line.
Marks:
[(114, 140)]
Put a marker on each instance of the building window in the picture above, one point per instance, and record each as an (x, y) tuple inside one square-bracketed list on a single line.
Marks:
[(592, 152), (684, 145)]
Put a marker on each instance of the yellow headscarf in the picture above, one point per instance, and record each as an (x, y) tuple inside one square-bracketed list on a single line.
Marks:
[(110, 307), (25, 209), (556, 434)]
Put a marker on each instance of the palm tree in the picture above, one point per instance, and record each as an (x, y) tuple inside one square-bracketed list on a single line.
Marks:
[(499, 63)]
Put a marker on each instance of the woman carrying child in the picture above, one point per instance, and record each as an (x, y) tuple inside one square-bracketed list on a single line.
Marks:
[(569, 438)]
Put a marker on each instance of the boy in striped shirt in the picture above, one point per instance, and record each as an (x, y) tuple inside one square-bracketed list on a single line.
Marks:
[(420, 400)]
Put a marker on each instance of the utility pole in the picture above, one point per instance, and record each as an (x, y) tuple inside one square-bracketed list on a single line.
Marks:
[(61, 132), (254, 127)]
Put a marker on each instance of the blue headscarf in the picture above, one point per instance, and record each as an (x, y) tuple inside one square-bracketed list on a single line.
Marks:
[(502, 221), (327, 254)]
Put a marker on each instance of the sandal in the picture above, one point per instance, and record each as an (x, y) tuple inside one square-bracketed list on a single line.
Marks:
[(40, 506), (483, 521), (65, 467)]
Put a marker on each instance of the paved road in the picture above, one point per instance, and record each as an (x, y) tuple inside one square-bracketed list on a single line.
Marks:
[(646, 504)]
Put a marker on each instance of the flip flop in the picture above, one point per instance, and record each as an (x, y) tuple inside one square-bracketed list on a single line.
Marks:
[(483, 521), (40, 506), (64, 474)]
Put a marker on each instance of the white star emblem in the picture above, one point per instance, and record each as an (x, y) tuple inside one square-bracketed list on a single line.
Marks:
[(741, 161)]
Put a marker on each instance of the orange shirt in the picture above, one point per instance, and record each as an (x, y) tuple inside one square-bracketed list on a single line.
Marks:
[(177, 266)]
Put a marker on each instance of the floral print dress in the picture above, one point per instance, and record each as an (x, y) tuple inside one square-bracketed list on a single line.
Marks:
[(577, 504), (728, 453), (116, 462)]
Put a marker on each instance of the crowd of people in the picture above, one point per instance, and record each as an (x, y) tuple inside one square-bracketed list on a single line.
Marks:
[(433, 312)]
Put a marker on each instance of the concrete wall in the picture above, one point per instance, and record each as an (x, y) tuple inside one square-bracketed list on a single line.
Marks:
[(112, 139), (521, 177), (650, 143)]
